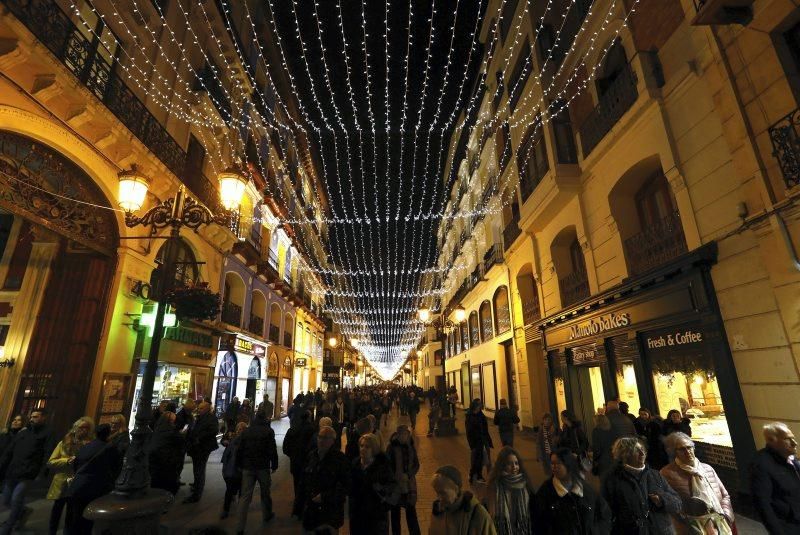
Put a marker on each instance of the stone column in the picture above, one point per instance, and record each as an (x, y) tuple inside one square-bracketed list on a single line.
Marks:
[(23, 317)]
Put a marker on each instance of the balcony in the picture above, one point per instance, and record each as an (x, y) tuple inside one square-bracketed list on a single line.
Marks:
[(231, 313), (54, 29), (208, 81), (723, 12), (287, 340), (274, 334), (618, 99), (656, 245), (785, 137), (530, 311), (256, 325), (573, 287), (511, 232), (493, 256)]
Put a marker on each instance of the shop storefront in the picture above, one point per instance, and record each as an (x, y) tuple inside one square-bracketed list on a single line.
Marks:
[(184, 368), (656, 342), (286, 380), (301, 376), (240, 371)]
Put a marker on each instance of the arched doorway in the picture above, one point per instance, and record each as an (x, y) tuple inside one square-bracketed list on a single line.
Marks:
[(59, 268), (253, 380)]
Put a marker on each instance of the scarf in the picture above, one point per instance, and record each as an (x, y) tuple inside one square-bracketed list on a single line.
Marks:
[(712, 523), (513, 505), (575, 488), (634, 469), (546, 434)]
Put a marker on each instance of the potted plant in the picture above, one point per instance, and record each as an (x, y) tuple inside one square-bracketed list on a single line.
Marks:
[(194, 301)]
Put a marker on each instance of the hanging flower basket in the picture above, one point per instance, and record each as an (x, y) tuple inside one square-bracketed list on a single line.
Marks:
[(407, 369), (196, 302), (349, 366)]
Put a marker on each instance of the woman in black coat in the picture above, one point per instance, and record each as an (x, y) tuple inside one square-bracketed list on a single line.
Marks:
[(649, 428), (640, 499), (572, 436), (94, 466), (7, 435), (676, 422), (566, 504), (371, 479), (165, 454), (478, 438)]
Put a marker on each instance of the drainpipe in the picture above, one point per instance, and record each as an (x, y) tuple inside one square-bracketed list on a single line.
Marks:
[(778, 221)]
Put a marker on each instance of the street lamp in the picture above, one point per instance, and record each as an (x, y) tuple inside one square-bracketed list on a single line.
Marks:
[(442, 325), (132, 505), (333, 341)]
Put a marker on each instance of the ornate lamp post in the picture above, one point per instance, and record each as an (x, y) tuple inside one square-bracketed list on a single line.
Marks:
[(133, 507), (443, 325)]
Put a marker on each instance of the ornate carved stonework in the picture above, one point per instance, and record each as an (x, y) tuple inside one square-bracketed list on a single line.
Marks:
[(38, 183)]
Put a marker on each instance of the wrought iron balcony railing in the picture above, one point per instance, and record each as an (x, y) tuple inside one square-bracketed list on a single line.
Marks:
[(511, 232), (785, 137), (493, 256), (618, 99), (287, 340), (530, 311), (657, 244), (274, 334), (54, 29), (256, 325), (231, 313), (573, 288)]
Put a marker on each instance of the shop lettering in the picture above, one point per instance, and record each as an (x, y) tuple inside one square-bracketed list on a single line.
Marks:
[(300, 362), (188, 336), (677, 339), (599, 325)]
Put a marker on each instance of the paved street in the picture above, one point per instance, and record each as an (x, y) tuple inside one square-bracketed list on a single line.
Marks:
[(433, 452)]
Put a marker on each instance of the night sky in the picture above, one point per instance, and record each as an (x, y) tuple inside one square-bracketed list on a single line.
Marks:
[(381, 162)]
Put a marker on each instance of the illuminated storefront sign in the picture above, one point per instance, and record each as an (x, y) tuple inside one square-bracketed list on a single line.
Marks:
[(593, 327)]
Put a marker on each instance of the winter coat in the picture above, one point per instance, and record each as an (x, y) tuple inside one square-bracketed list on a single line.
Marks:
[(232, 412), (202, 437), (28, 453), (405, 463), (775, 488), (571, 514), (257, 448), (555, 436), (328, 476), (602, 442), (621, 425), (229, 468), (120, 442), (268, 408), (59, 464), (165, 456), (183, 418), (94, 471), (669, 427), (367, 511), (574, 439), (6, 438), (681, 482), (656, 453), (297, 444), (412, 405), (505, 419), (478, 431), (465, 517), (633, 513)]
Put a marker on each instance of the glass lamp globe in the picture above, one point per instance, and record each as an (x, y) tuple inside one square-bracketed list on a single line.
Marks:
[(460, 314), (333, 342), (424, 315), (132, 189), (231, 188)]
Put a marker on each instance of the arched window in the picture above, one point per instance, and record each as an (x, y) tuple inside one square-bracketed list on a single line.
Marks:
[(474, 329), (288, 330), (501, 311), (464, 330), (568, 259), (275, 315), (528, 296), (485, 313), (233, 300), (258, 308), (614, 65), (457, 341), (186, 271)]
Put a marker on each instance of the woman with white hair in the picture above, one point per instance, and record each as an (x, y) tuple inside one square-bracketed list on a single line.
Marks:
[(706, 504)]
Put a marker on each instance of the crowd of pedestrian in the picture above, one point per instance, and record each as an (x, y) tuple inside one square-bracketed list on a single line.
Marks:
[(650, 481)]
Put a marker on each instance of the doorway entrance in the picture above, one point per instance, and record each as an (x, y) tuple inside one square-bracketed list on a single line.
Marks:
[(588, 393)]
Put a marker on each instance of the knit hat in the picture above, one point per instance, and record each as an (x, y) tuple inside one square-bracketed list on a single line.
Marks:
[(450, 472)]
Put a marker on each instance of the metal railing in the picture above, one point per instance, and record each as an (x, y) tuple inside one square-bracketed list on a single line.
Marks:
[(573, 288), (287, 340), (274, 334), (657, 244), (785, 137), (231, 313), (493, 256), (511, 232), (618, 99), (530, 311), (256, 325), (54, 29)]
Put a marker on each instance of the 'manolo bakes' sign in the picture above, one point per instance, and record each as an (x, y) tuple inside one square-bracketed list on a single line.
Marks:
[(595, 326)]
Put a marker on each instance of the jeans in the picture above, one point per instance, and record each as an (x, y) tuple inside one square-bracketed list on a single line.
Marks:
[(232, 487), (55, 514), (411, 520), (507, 438), (13, 497), (75, 523), (249, 478), (199, 470), (413, 417), (476, 462)]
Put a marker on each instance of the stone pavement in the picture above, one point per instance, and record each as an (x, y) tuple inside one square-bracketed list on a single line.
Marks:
[(433, 452)]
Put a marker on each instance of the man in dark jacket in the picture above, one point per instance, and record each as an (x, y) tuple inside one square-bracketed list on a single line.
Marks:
[(412, 406), (621, 425), (775, 481), (232, 414), (297, 444), (256, 455), (505, 419), (24, 461), (200, 442), (326, 480)]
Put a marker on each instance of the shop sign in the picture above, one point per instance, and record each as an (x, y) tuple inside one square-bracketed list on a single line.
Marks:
[(583, 354), (300, 362), (200, 355), (189, 336), (680, 337), (243, 345), (595, 326)]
